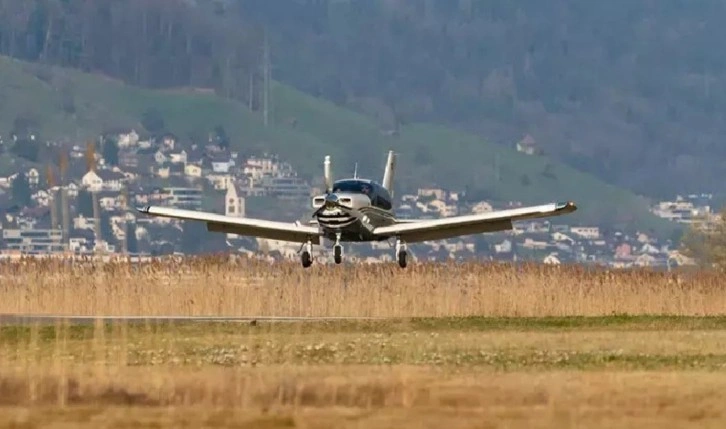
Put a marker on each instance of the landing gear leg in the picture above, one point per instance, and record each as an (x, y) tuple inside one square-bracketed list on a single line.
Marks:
[(401, 253), (307, 254), (337, 250)]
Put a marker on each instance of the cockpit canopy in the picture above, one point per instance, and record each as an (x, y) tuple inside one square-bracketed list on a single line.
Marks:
[(378, 194)]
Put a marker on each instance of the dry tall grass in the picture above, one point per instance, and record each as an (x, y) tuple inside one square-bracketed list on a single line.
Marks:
[(212, 286)]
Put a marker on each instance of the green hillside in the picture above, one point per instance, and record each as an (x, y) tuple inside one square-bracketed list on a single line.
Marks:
[(67, 103)]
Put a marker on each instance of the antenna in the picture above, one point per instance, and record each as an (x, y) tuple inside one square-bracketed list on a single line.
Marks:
[(355, 171)]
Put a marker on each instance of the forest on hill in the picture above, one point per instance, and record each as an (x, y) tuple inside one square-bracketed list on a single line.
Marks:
[(633, 92)]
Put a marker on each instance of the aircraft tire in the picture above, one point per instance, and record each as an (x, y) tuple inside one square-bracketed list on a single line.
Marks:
[(307, 261), (338, 254), (402, 259)]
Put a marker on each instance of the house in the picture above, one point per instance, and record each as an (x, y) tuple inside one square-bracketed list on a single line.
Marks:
[(178, 158), (160, 157), (72, 189), (527, 145), (552, 259), (438, 194), (623, 251), (128, 140), (534, 244), (92, 181), (587, 232), (503, 247), (111, 180), (168, 141), (257, 168), (163, 172), (33, 177), (222, 165), (561, 237), (221, 181), (482, 207), (645, 260), (193, 170)]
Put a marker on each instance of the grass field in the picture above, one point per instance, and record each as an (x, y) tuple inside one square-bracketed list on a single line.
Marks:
[(457, 346)]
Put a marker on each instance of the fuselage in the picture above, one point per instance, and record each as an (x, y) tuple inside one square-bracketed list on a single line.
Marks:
[(353, 209)]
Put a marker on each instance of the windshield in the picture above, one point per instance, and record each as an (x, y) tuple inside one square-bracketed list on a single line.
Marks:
[(353, 186)]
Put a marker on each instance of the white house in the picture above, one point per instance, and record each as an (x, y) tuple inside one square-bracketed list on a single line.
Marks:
[(128, 140), (588, 232), (92, 181), (552, 259), (72, 190), (221, 181), (33, 177), (178, 158), (503, 247), (222, 166), (256, 167)]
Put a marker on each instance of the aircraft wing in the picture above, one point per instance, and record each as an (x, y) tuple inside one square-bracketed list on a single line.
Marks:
[(285, 231), (438, 229)]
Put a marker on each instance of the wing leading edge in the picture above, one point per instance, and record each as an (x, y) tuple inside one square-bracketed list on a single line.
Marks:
[(439, 229), (242, 226)]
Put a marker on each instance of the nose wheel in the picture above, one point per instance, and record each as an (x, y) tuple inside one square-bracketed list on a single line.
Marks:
[(401, 253), (337, 250)]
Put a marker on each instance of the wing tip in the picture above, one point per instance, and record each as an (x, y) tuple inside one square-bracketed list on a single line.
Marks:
[(144, 209), (567, 206)]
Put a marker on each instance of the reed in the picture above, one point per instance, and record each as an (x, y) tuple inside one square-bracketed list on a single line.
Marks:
[(218, 286)]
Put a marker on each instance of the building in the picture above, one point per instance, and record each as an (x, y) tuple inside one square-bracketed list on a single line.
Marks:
[(182, 198), (234, 205), (34, 241), (289, 188)]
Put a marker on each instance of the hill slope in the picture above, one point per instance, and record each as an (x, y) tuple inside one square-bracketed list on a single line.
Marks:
[(303, 131)]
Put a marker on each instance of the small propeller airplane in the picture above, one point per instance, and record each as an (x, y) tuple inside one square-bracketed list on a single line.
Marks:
[(361, 210)]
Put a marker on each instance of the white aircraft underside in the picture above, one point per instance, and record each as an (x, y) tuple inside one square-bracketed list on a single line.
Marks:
[(358, 210)]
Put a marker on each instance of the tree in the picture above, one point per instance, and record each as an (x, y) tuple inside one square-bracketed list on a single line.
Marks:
[(27, 149), (131, 242), (221, 136), (21, 190), (84, 205), (705, 241), (110, 151)]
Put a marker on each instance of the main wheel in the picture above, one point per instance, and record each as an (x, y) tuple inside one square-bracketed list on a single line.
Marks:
[(306, 259), (402, 258), (338, 254)]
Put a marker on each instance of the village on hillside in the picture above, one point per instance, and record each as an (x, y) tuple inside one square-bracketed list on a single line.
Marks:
[(86, 207)]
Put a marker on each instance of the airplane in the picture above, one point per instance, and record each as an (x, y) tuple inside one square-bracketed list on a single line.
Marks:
[(361, 210)]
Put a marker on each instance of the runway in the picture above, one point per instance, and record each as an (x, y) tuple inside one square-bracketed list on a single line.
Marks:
[(29, 319)]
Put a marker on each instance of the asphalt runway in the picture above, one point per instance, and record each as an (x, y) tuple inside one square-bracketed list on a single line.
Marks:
[(29, 319)]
